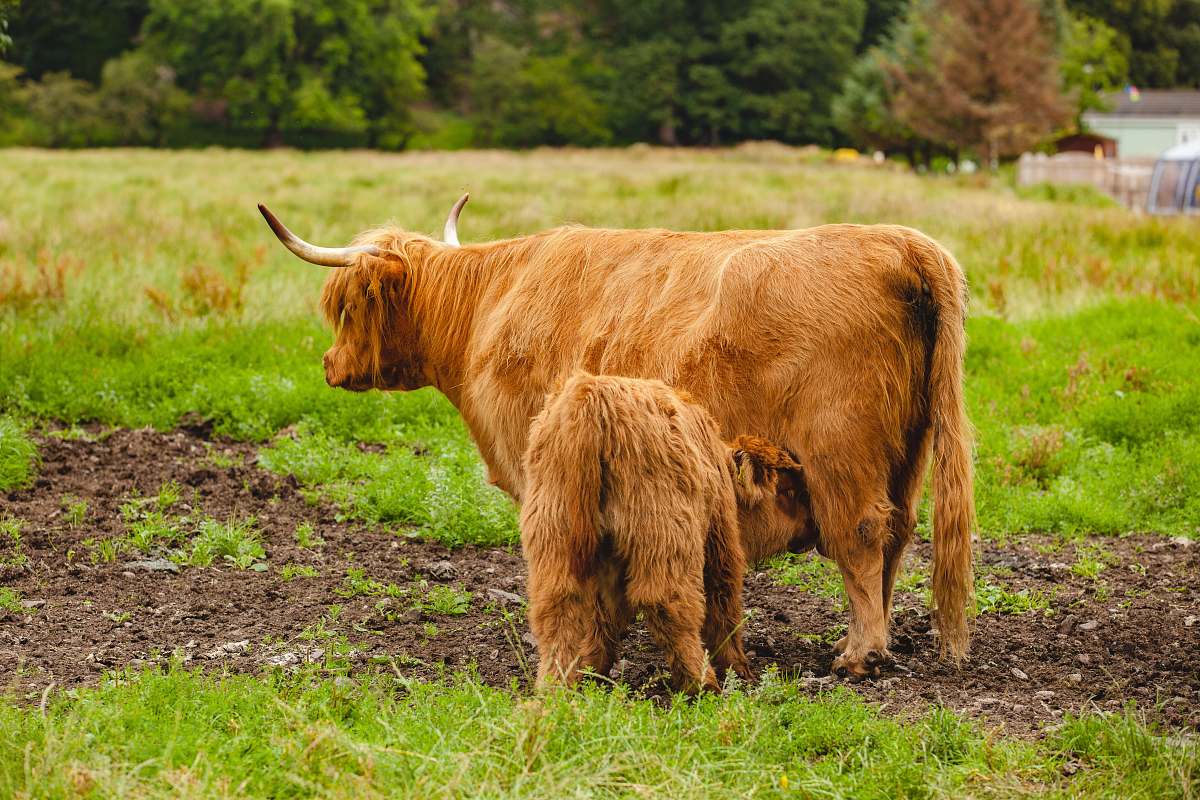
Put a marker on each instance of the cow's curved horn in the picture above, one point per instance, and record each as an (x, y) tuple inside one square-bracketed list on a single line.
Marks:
[(325, 256), (450, 232)]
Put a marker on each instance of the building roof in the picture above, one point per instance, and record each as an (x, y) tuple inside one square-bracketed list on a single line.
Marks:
[(1154, 103)]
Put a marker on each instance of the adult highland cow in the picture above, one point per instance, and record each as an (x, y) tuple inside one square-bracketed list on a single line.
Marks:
[(843, 343)]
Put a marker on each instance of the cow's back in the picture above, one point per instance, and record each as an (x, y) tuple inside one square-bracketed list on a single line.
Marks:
[(745, 321)]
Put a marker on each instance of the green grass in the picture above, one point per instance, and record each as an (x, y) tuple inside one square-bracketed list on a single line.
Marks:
[(74, 510), (197, 540), (184, 734), (306, 536), (447, 600), (292, 571), (358, 584), (992, 598), (811, 573), (10, 601), (11, 552), (18, 455), (235, 542)]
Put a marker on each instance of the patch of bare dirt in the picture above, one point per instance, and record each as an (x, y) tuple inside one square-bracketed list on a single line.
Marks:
[(1132, 633)]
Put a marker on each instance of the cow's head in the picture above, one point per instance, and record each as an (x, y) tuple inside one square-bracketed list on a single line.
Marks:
[(774, 510), (368, 301)]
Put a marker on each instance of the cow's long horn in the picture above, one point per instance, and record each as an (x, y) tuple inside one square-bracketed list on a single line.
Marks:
[(450, 232), (325, 256)]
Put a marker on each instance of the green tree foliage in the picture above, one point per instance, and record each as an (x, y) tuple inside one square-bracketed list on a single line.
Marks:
[(348, 65), (7, 7), (66, 111), (75, 36), (1093, 63), (880, 17), (524, 99), (1159, 38), (139, 98), (865, 109), (709, 72)]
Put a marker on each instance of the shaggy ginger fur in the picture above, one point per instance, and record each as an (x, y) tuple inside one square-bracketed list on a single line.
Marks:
[(632, 503), (843, 343)]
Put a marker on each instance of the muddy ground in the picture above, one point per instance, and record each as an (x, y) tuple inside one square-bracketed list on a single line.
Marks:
[(1134, 634)]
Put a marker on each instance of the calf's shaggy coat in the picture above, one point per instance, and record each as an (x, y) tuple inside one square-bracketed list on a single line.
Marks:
[(633, 503), (843, 343)]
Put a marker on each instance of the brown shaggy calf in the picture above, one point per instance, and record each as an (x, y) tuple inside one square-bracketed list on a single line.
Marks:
[(842, 343), (633, 503)]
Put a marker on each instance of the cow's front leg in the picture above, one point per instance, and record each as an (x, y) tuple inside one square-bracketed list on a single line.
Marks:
[(860, 558)]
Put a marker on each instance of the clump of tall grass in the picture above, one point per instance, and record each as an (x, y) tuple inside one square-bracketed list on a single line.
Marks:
[(18, 455)]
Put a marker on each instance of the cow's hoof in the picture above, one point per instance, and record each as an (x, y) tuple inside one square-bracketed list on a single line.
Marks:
[(869, 665)]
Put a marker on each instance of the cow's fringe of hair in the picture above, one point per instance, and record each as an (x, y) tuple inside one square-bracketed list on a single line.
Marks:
[(436, 286)]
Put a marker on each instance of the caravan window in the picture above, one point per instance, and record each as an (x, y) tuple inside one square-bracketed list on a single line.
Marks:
[(1166, 189)]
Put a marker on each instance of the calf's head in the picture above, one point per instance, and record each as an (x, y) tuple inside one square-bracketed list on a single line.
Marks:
[(774, 510), (368, 300)]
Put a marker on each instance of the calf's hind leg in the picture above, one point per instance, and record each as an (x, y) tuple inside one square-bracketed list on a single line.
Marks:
[(564, 618), (675, 625)]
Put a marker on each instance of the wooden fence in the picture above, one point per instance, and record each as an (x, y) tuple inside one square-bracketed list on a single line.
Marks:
[(1126, 179)]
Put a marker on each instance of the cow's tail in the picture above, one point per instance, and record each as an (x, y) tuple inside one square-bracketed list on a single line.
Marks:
[(953, 495), (568, 447)]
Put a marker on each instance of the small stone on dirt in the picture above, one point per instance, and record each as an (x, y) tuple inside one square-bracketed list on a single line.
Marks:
[(1075, 677), (1019, 674), (1182, 541), (229, 648), (1190, 621), (154, 565), (1090, 625), (441, 570), (32, 603), (1044, 694), (506, 597), (530, 640), (1067, 624), (284, 660), (1083, 658), (618, 669)]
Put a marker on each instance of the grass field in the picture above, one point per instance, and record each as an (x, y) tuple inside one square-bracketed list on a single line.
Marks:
[(142, 288)]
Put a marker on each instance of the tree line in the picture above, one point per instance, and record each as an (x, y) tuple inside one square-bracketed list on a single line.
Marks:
[(982, 77)]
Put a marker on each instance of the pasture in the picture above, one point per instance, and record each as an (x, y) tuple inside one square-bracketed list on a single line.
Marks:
[(219, 577)]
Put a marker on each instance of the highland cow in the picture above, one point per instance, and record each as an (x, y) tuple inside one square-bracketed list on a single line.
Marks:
[(843, 343), (633, 503)]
